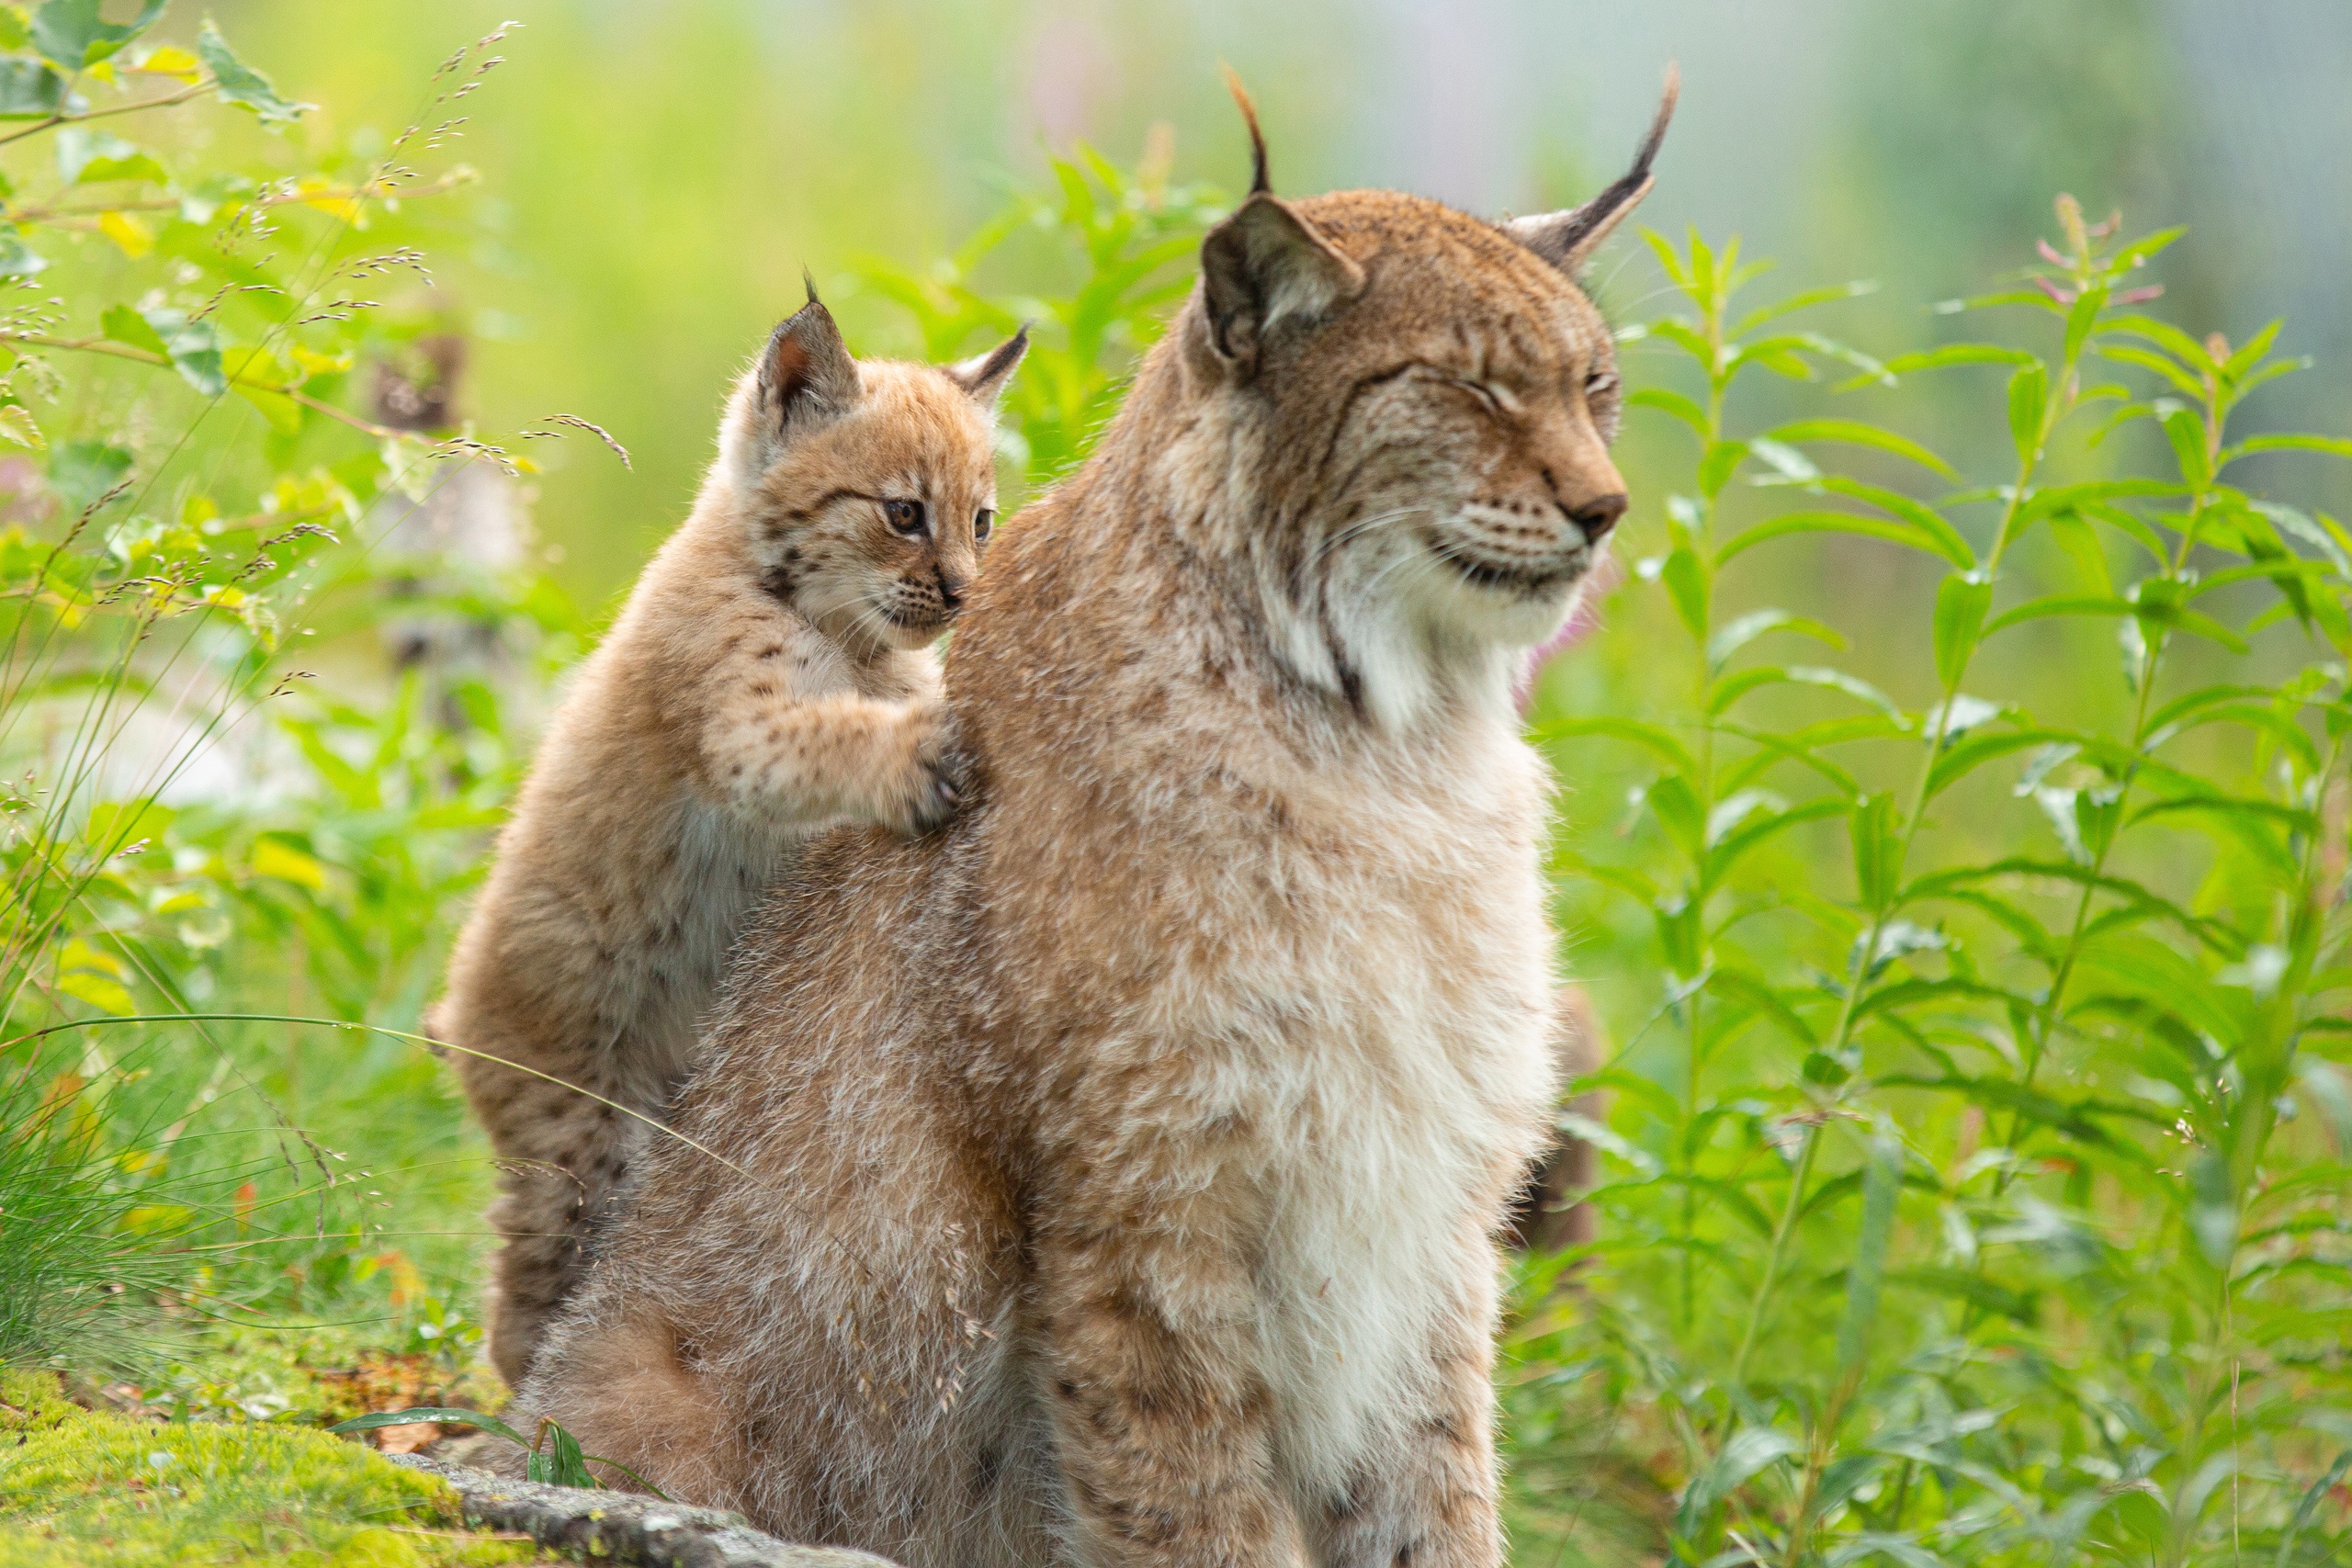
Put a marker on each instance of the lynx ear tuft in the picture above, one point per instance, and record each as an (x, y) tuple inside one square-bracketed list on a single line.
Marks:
[(1258, 181), (984, 375), (1266, 263), (1567, 239), (805, 373)]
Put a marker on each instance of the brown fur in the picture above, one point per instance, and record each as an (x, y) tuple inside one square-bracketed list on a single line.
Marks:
[(1119, 1167), (1550, 1212), (769, 677)]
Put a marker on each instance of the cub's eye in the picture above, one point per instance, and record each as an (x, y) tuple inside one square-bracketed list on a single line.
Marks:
[(1601, 384), (982, 521), (905, 516)]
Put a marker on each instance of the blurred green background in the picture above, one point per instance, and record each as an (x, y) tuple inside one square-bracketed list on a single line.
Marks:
[(658, 173)]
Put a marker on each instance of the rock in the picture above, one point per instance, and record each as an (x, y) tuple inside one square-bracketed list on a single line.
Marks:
[(623, 1528)]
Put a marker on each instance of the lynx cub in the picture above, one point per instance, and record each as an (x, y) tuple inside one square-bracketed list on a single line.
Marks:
[(770, 677)]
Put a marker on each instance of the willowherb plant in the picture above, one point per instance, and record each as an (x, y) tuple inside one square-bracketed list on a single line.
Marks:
[(1977, 1182)]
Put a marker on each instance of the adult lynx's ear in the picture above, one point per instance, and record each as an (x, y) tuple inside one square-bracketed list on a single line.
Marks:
[(806, 372), (1567, 239), (1266, 264), (984, 375)]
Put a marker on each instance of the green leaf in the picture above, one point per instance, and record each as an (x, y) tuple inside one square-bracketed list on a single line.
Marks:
[(1681, 334), (16, 261), (1804, 300), (29, 89), (2185, 428), (194, 347), (1678, 812), (2081, 318), (1882, 1179), (72, 33), (2081, 542), (274, 858), (1946, 542), (2310, 531), (1650, 737), (1671, 402), (1961, 600), (1749, 1451), (2213, 1208), (1715, 469), (124, 324), (240, 84), (1686, 583), (243, 366), (2137, 895), (1862, 1546), (2019, 1306), (92, 157), (17, 425), (2182, 380), (1877, 853), (1959, 354), (81, 471), (2069, 1119), (1730, 638), (2028, 394), (2333, 446), (1855, 433), (566, 1465), (1730, 688), (106, 995), (1738, 842), (2139, 251), (431, 1413), (2307, 1509)]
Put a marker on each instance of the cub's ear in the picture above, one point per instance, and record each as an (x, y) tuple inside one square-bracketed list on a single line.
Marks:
[(1266, 264), (806, 372), (984, 375), (1567, 239)]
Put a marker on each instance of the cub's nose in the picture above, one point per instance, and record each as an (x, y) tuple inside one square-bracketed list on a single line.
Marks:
[(1596, 516), (952, 589)]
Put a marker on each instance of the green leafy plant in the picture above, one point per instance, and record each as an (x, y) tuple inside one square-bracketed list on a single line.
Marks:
[(195, 503), (1120, 242), (554, 1457), (1975, 1176)]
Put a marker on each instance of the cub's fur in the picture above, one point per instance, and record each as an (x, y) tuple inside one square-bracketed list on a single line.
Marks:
[(1112, 1178), (770, 677)]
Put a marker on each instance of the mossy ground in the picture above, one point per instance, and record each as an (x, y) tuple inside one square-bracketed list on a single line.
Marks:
[(80, 1486)]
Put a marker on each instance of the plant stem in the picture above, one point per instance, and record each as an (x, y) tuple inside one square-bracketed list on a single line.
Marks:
[(149, 356), (2054, 404), (53, 121)]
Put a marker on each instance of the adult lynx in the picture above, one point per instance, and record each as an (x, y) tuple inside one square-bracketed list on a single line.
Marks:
[(1111, 1177)]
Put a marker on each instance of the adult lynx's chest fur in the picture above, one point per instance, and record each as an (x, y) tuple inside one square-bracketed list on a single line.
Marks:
[(1418, 1074)]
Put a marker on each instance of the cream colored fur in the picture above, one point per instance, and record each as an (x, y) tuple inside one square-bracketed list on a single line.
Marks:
[(769, 677)]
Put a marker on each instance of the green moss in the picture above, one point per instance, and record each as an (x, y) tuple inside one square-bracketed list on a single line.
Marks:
[(79, 1488)]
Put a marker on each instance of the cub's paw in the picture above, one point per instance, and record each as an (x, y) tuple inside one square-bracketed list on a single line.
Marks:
[(929, 785)]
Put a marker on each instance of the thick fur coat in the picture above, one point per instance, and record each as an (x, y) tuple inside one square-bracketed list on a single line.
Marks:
[(1111, 1177), (770, 677)]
